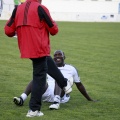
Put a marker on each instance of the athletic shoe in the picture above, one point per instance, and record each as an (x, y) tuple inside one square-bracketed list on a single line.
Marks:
[(34, 114), (65, 98), (18, 101), (54, 106), (68, 88)]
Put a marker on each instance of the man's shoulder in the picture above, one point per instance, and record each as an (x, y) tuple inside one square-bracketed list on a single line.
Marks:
[(43, 6), (69, 65)]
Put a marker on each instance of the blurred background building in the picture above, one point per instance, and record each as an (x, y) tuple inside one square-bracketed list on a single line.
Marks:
[(76, 10)]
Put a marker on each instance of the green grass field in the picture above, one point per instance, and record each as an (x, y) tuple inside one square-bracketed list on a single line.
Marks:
[(93, 48)]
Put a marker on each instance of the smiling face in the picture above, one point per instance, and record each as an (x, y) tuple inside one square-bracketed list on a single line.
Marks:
[(59, 58)]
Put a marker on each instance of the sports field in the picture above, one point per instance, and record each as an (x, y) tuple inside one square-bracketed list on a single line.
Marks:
[(93, 48)]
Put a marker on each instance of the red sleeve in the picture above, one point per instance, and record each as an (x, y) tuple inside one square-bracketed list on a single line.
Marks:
[(10, 28), (53, 30)]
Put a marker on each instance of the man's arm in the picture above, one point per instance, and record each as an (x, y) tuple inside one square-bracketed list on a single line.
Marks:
[(44, 15), (82, 89), (10, 28)]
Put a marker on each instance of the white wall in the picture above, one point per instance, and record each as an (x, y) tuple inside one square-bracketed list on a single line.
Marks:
[(8, 6), (77, 10), (86, 10)]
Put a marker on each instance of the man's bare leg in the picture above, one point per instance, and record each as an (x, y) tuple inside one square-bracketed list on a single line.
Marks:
[(20, 100)]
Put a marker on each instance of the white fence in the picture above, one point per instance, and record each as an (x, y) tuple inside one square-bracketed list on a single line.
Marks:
[(77, 10)]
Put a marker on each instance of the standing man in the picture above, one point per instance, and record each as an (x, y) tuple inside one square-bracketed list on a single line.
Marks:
[(32, 23), (22, 1), (16, 3)]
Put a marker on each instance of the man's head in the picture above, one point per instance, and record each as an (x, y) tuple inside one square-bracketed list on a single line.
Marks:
[(59, 58)]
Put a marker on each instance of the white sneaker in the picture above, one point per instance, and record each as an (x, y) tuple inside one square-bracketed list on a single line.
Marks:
[(65, 98), (68, 88), (34, 114), (54, 106)]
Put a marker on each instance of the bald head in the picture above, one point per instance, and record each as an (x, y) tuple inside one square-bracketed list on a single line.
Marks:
[(59, 58)]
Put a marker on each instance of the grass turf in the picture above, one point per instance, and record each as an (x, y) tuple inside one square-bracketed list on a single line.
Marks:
[(93, 48)]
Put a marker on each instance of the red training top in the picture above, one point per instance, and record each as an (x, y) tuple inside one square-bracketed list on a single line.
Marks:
[(32, 23)]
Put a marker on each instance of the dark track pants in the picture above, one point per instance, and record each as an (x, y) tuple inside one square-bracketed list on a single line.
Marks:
[(39, 81)]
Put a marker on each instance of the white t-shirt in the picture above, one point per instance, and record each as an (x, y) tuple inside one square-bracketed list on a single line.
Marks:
[(68, 71)]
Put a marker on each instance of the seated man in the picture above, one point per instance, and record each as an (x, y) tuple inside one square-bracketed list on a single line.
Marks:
[(53, 92)]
